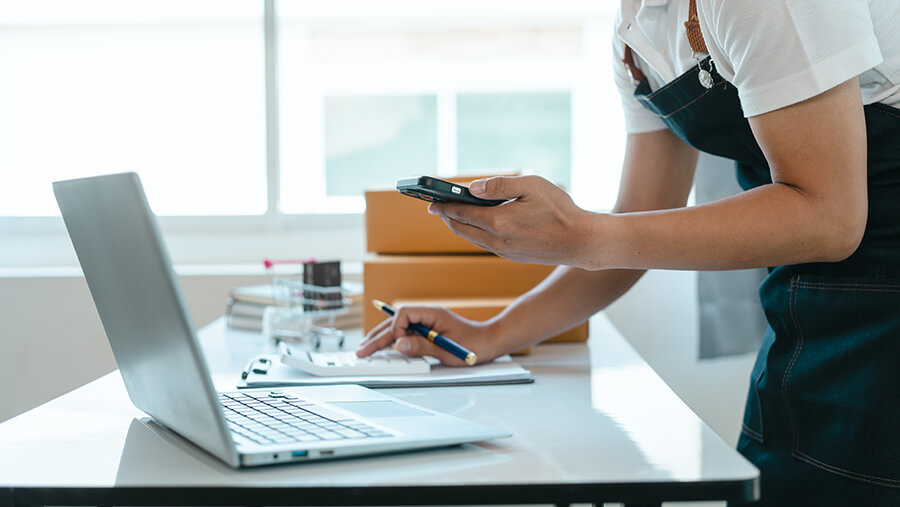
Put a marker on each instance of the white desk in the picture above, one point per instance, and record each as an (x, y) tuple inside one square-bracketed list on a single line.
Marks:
[(598, 425)]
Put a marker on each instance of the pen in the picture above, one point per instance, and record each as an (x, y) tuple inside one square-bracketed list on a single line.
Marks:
[(262, 368), (438, 339)]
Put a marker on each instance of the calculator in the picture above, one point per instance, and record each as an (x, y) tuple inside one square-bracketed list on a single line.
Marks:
[(345, 363)]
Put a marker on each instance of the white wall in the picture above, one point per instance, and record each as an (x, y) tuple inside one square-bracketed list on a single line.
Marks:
[(51, 339)]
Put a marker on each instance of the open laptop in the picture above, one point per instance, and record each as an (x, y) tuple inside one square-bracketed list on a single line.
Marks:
[(137, 295)]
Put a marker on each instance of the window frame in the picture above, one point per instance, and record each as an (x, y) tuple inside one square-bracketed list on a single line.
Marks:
[(41, 241)]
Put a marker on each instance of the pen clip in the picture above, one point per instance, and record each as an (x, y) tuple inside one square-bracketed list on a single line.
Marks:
[(261, 369)]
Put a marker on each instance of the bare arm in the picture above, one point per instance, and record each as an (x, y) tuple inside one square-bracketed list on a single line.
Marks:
[(815, 209), (657, 174)]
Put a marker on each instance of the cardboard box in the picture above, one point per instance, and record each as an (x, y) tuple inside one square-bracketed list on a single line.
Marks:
[(399, 224), (481, 309), (396, 277)]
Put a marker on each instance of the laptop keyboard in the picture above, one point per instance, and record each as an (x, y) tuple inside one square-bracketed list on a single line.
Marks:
[(276, 417)]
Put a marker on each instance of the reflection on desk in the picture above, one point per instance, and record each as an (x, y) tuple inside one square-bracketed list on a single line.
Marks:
[(154, 455)]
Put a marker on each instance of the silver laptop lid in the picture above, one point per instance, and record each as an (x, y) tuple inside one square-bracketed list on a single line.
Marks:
[(130, 276)]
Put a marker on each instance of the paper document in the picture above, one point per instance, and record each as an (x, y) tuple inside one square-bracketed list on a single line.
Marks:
[(500, 371)]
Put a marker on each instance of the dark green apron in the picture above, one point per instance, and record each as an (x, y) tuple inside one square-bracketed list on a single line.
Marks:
[(822, 420)]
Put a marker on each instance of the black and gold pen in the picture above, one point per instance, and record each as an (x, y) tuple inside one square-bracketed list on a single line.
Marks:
[(438, 339)]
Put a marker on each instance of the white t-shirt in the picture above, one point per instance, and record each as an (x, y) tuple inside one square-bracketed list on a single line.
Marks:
[(775, 52)]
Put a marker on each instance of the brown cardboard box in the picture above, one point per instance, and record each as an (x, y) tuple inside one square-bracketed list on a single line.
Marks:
[(481, 309), (395, 277), (399, 224)]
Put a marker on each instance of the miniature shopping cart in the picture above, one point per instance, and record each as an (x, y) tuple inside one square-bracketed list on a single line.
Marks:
[(306, 305)]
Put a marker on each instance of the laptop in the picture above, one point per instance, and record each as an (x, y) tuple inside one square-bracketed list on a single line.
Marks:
[(130, 276)]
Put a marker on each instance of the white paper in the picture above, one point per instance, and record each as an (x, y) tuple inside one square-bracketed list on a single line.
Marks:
[(500, 371)]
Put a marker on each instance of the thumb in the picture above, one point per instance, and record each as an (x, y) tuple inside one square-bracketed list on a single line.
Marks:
[(416, 346), (500, 187)]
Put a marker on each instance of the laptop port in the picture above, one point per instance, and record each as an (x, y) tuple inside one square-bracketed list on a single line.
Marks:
[(326, 453), (300, 454)]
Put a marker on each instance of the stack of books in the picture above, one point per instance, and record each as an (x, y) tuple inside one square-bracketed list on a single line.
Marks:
[(246, 306)]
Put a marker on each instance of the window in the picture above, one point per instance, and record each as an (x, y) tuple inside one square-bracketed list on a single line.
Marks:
[(529, 132), (370, 140), (171, 90), (370, 92), (259, 124)]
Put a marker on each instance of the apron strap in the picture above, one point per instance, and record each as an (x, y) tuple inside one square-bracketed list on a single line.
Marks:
[(694, 36), (636, 75)]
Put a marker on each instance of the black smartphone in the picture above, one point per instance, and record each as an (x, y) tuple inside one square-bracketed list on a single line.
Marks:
[(433, 189)]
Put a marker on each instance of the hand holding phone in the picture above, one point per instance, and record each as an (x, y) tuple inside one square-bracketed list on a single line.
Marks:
[(431, 189), (538, 223)]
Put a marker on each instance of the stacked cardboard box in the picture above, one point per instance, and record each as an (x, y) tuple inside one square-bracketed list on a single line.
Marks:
[(415, 259)]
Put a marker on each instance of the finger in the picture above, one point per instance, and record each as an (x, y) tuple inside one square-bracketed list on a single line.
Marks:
[(474, 235), (411, 343), (384, 340), (476, 216), (418, 346), (405, 315), (503, 187), (381, 326), (380, 337)]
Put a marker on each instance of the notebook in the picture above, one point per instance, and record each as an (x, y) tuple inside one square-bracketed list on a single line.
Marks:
[(272, 371), (127, 268)]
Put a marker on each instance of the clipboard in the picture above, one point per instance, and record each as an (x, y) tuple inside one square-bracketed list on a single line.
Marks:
[(269, 371)]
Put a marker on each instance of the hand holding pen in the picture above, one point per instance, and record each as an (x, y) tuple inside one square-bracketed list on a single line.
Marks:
[(409, 321)]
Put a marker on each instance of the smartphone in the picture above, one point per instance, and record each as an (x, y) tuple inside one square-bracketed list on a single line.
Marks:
[(433, 189)]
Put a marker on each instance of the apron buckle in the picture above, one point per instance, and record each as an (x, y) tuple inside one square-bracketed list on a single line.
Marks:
[(703, 75)]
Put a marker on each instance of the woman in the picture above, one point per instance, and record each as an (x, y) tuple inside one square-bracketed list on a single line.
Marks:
[(802, 95)]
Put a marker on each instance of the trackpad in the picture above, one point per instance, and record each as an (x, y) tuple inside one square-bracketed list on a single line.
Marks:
[(383, 408)]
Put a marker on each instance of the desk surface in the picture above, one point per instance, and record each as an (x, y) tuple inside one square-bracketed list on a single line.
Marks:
[(598, 425)]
